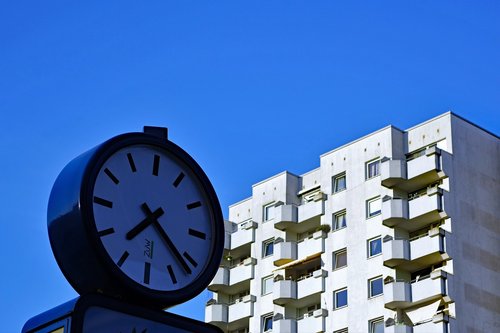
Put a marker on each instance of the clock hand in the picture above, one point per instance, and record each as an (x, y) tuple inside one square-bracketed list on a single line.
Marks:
[(150, 218), (171, 246)]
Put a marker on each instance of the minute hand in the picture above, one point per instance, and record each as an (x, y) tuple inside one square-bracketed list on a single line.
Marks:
[(171, 246)]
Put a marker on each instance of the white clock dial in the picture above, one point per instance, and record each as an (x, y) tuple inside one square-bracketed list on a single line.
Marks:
[(153, 217)]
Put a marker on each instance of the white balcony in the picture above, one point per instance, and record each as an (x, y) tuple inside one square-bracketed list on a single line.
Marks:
[(312, 245), (285, 325), (398, 328), (416, 254), (244, 235), (397, 294), (313, 323), (284, 252), (431, 327), (431, 288), (284, 291), (241, 309), (311, 211), (394, 211), (425, 169), (285, 216), (311, 285), (395, 252), (242, 272), (392, 172), (220, 280), (216, 313)]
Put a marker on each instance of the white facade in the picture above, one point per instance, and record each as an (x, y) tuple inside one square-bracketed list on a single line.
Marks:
[(394, 232)]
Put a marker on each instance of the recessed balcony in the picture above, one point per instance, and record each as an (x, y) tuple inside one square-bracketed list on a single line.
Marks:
[(284, 252), (311, 211), (313, 323), (220, 281), (285, 216), (284, 291), (311, 245), (242, 272)]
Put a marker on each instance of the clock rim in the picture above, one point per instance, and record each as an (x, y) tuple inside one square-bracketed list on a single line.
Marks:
[(130, 287)]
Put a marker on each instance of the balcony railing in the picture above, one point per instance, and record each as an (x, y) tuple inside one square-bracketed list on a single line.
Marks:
[(311, 245), (401, 294), (216, 313), (245, 234), (284, 252), (241, 309), (285, 325), (424, 251), (313, 323), (284, 291), (285, 216), (311, 285), (220, 281)]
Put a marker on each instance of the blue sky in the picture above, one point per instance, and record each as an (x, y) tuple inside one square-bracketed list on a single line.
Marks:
[(248, 88)]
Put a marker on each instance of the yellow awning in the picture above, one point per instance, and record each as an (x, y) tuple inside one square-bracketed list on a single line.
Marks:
[(298, 261)]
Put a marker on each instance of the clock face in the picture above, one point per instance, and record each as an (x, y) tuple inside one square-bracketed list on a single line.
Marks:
[(153, 217)]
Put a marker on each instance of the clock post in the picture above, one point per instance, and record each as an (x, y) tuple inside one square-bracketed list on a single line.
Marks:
[(136, 227)]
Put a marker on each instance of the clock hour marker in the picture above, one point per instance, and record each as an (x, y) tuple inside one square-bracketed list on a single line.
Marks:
[(147, 272), (178, 180), (197, 233), (111, 176), (193, 205), (103, 202), (156, 165), (190, 259), (171, 273), (122, 259), (106, 232), (131, 162)]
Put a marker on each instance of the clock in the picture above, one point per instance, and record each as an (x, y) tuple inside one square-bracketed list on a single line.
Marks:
[(136, 218)]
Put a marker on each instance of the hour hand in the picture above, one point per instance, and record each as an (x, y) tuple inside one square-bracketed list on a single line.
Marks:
[(151, 217)]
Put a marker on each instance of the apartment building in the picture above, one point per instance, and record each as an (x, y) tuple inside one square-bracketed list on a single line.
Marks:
[(394, 232)]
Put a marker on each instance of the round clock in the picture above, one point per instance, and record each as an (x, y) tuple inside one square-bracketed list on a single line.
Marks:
[(136, 218)]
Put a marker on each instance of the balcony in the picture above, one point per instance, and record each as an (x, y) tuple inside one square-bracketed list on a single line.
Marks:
[(416, 254), (242, 309), (314, 322), (244, 235), (216, 313), (284, 291), (392, 172), (431, 327), (394, 211), (398, 328), (285, 216), (425, 169), (242, 272), (284, 252), (311, 211), (221, 280), (400, 294), (314, 244), (285, 325), (311, 285)]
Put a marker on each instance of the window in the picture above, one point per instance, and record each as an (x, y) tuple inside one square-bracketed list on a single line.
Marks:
[(375, 287), (373, 207), (339, 220), (267, 285), (339, 182), (267, 322), (372, 168), (269, 212), (340, 298), (374, 247), (376, 325), (340, 259), (267, 247)]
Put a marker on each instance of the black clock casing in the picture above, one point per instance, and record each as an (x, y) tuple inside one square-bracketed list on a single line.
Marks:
[(77, 244)]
